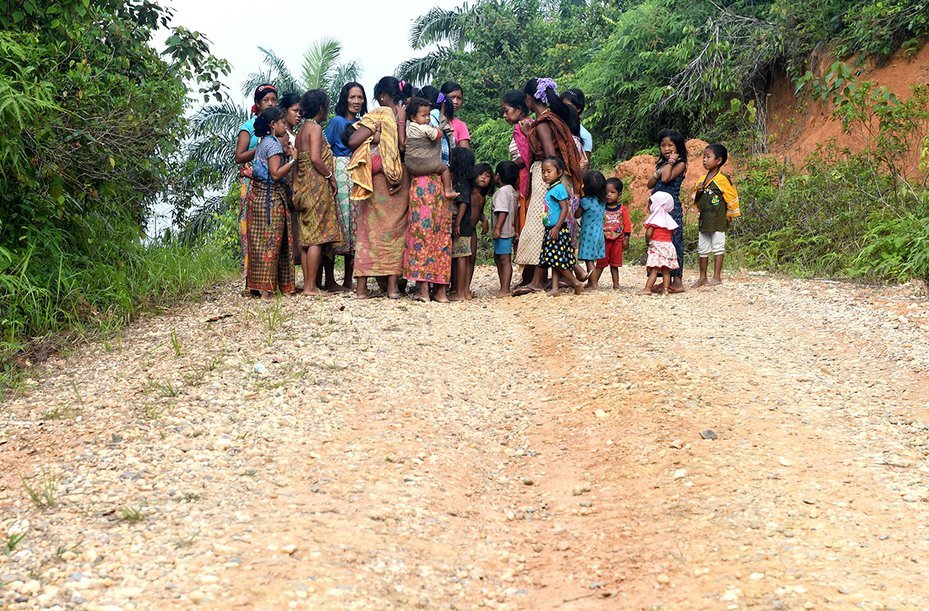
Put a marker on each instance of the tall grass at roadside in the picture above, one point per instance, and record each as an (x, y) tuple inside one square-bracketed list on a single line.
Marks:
[(53, 292)]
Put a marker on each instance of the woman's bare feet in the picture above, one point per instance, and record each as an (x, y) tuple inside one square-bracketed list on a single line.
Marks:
[(714, 282), (311, 292), (502, 293), (700, 282), (646, 291)]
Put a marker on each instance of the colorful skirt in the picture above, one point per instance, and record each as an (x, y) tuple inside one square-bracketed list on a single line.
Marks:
[(428, 253), (270, 248), (662, 254), (243, 220), (347, 208), (381, 235), (558, 253)]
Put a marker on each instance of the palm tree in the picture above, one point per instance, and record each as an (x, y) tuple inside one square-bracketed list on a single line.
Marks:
[(213, 126), (211, 148), (443, 27)]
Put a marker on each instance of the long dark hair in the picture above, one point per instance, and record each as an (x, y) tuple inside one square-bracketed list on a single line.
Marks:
[(517, 100), (399, 91), (341, 107), (450, 86), (575, 97), (484, 168), (461, 165), (680, 145), (564, 111), (265, 119), (432, 94)]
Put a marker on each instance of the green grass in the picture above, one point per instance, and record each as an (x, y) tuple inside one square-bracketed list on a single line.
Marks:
[(52, 297), (43, 492)]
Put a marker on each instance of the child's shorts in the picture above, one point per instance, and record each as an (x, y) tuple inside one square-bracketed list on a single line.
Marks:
[(503, 246), (614, 254), (461, 247), (712, 243)]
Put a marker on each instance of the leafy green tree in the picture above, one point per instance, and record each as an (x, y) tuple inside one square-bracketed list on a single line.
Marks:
[(91, 127)]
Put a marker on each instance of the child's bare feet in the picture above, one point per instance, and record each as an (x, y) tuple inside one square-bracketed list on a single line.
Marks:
[(578, 288), (615, 287), (333, 287), (553, 292), (311, 292), (646, 292), (700, 282), (502, 293), (714, 282)]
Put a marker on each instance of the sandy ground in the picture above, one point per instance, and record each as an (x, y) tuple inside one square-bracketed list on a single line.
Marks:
[(528, 453)]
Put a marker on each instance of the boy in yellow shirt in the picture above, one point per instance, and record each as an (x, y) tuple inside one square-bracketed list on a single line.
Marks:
[(718, 203)]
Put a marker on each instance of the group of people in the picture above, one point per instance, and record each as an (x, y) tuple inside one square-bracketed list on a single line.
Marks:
[(396, 191)]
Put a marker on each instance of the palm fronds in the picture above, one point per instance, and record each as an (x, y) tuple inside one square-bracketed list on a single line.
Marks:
[(440, 25), (421, 69), (319, 61)]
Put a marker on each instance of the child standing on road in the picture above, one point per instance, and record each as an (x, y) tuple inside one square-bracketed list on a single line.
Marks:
[(463, 175), (617, 227), (718, 203), (659, 229), (557, 248), (505, 210), (590, 245)]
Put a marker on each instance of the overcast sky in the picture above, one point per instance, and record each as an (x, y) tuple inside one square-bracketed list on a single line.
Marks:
[(374, 33)]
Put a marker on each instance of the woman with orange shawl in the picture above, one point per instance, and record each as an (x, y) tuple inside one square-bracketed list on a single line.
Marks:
[(549, 136), (381, 188)]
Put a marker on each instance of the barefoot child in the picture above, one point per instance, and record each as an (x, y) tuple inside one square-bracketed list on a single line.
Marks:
[(424, 145), (557, 248), (462, 168), (659, 228), (505, 210), (483, 186), (718, 203), (590, 245), (617, 227)]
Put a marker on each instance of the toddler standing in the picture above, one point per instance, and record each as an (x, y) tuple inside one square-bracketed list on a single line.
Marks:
[(617, 227), (659, 229), (590, 245)]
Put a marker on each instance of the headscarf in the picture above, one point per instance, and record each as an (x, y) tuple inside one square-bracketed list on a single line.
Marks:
[(660, 205), (542, 87), (260, 92), (359, 166)]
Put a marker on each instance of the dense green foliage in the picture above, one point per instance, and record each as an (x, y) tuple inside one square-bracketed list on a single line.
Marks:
[(706, 68), (91, 123), (650, 64)]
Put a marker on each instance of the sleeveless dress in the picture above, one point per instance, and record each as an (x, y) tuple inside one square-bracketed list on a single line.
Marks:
[(319, 222)]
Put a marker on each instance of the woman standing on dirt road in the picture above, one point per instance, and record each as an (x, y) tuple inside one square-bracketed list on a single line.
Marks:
[(352, 104), (549, 136), (381, 187)]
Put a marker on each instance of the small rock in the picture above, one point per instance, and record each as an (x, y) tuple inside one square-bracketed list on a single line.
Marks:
[(663, 579), (528, 481), (289, 549), (563, 546), (677, 444), (600, 413), (708, 434), (756, 576), (680, 474), (196, 597), (784, 462), (90, 555), (579, 490)]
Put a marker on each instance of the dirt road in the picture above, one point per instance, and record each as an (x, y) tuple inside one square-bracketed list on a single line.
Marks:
[(523, 453)]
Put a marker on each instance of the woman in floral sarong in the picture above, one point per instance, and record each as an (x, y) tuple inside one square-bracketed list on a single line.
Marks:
[(353, 102), (315, 189), (427, 258), (381, 188), (270, 265)]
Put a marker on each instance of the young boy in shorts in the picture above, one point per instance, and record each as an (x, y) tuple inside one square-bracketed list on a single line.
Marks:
[(718, 203)]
